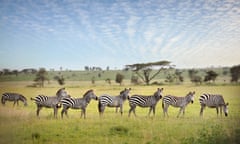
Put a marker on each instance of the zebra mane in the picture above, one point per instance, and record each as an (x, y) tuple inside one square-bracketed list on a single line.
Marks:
[(23, 97), (59, 91), (87, 92), (121, 92)]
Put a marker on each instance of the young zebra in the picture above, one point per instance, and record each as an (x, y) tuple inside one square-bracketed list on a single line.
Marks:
[(175, 101), (112, 101), (78, 103), (13, 97), (50, 101), (213, 101), (145, 101)]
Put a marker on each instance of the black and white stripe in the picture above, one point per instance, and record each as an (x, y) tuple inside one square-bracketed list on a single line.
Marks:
[(175, 101), (145, 101), (15, 97), (78, 103), (213, 101), (50, 101), (113, 101)]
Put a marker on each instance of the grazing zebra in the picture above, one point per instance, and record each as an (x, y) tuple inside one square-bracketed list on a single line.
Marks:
[(145, 101), (50, 101), (13, 97), (175, 101), (113, 101), (213, 101), (78, 103)]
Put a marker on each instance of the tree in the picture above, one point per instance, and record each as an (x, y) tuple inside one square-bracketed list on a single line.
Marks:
[(235, 73), (194, 77), (144, 70), (211, 76), (60, 80), (41, 76), (119, 78)]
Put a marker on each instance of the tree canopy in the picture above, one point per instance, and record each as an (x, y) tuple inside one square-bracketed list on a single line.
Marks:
[(143, 70)]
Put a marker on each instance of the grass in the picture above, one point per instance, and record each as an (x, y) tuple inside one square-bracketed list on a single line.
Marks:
[(20, 124)]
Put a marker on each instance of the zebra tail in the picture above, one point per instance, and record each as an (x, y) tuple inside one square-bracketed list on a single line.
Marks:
[(32, 99), (2, 100)]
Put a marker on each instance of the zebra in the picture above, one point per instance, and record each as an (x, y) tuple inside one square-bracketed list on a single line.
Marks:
[(78, 103), (175, 101), (13, 97), (213, 101), (145, 101), (50, 101), (113, 101)]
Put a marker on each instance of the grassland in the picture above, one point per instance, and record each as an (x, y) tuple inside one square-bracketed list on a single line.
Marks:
[(20, 124)]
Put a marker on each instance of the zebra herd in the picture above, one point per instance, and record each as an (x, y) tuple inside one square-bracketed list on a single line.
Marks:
[(64, 100)]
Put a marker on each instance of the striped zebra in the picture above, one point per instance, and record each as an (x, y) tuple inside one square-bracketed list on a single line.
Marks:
[(15, 97), (50, 101), (113, 101), (78, 103), (145, 101), (175, 101), (213, 101)]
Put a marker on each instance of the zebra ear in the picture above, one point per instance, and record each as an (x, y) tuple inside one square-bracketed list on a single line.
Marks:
[(193, 92)]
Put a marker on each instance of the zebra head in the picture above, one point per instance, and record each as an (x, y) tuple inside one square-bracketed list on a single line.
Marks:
[(158, 93), (190, 96), (90, 95), (124, 94), (225, 109), (23, 99)]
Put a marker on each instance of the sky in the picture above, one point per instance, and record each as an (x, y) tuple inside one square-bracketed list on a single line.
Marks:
[(75, 33)]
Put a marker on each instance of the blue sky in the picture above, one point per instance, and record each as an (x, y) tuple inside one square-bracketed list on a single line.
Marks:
[(77, 33)]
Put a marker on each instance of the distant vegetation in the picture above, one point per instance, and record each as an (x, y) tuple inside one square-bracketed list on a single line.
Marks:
[(222, 75)]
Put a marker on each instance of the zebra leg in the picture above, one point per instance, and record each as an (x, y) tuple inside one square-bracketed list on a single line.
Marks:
[(132, 108), (201, 110), (121, 110), (64, 110), (221, 111), (153, 109), (150, 110), (181, 110), (217, 110), (100, 109), (14, 103), (165, 109), (55, 110), (83, 113), (38, 110)]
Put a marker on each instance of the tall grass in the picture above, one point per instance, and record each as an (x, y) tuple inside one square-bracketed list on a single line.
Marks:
[(20, 124)]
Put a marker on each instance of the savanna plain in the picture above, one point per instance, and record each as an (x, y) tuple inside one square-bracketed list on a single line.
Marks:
[(20, 124)]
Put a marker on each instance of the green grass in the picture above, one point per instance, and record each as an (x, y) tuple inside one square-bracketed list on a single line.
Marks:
[(20, 124)]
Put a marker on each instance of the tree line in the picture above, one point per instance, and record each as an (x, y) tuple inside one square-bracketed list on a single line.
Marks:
[(141, 73)]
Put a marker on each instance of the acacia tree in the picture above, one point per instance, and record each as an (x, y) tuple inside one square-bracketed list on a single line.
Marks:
[(144, 70), (41, 76)]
